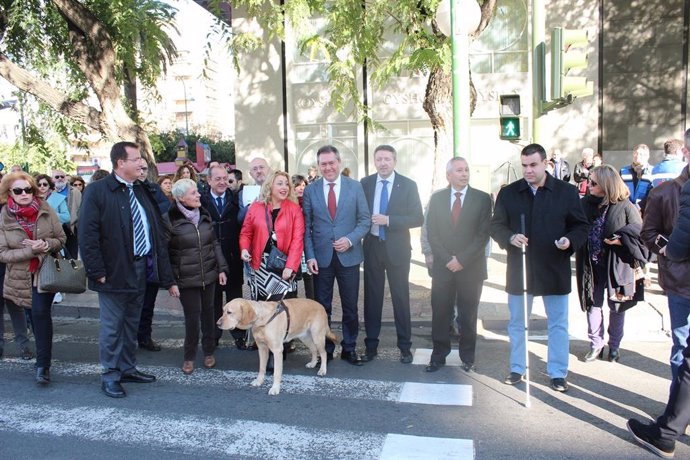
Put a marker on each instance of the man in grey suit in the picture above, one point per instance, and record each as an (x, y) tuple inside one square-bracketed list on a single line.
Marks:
[(336, 218), (396, 208)]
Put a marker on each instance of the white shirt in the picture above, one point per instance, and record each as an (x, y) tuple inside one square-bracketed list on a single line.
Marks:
[(144, 217), (377, 198), (336, 189), (463, 192)]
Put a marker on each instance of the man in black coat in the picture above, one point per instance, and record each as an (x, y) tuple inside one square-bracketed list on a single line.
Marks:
[(545, 215), (223, 207), (458, 223), (395, 208), (120, 243), (660, 436)]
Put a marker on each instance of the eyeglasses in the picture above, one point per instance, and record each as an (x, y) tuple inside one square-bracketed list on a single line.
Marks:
[(43, 184), (58, 177), (132, 159), (19, 191)]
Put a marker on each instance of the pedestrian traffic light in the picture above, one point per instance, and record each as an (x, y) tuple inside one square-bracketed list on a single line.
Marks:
[(568, 52), (510, 120)]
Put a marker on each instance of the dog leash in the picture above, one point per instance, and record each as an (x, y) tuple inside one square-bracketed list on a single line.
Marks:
[(281, 307)]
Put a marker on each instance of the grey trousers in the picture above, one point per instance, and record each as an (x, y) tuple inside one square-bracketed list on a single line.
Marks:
[(119, 316), (18, 324)]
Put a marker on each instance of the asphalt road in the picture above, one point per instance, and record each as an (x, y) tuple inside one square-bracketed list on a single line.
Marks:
[(383, 409)]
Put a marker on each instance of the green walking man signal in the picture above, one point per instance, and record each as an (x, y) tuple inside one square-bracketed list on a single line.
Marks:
[(509, 110)]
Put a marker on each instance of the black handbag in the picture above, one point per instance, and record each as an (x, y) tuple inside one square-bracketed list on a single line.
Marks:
[(276, 258), (59, 274)]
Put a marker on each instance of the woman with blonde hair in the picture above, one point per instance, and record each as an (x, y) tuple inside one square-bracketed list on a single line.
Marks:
[(607, 266), (29, 229)]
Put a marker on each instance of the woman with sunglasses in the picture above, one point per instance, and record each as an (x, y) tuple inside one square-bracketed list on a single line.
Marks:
[(29, 229), (606, 265), (57, 201), (78, 183)]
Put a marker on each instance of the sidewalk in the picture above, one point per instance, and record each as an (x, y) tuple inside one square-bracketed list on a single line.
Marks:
[(648, 321)]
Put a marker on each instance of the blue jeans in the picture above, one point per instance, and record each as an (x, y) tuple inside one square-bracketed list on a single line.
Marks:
[(559, 346), (679, 309)]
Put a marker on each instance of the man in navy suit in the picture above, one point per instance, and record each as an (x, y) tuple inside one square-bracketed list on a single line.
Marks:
[(396, 208), (458, 226), (336, 218)]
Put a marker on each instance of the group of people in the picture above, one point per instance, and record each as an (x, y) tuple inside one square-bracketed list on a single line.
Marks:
[(133, 242)]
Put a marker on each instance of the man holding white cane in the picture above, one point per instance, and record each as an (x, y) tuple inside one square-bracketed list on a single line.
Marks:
[(555, 226)]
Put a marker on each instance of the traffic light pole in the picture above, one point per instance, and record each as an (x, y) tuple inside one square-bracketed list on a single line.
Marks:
[(538, 67)]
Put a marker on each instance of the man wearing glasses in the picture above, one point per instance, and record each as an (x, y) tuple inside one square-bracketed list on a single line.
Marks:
[(120, 228), (73, 203)]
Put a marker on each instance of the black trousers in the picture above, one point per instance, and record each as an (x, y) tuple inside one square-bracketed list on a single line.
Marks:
[(197, 303), (677, 414), (146, 321), (377, 266), (447, 288)]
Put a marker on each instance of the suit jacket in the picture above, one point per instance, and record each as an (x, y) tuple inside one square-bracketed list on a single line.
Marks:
[(352, 220), (466, 241), (404, 212), (227, 231)]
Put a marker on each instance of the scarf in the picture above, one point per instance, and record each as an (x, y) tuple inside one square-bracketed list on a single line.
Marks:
[(192, 215), (26, 217)]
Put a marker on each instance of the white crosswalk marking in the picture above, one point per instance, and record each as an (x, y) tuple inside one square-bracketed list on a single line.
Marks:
[(403, 447)]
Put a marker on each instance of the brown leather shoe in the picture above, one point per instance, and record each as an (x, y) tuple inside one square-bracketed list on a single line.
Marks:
[(209, 362), (187, 367)]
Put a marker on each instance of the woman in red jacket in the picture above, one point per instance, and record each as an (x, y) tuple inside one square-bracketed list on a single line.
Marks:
[(274, 219)]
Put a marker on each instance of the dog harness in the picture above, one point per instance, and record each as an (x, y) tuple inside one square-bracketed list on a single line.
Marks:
[(281, 307)]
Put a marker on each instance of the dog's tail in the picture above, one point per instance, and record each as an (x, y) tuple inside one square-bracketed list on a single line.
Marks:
[(331, 336)]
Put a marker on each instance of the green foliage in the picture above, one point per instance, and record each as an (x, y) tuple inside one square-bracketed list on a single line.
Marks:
[(40, 155), (165, 146)]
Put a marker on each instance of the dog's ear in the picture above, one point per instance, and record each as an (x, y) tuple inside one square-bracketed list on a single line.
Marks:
[(248, 313)]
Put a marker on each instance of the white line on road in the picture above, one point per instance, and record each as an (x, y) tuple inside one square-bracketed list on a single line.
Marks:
[(404, 447)]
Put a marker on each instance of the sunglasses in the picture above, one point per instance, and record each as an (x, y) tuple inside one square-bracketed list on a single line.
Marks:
[(19, 191), (43, 184), (58, 177)]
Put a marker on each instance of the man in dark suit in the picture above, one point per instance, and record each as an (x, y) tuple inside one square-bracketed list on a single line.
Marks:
[(458, 224), (121, 244), (336, 218), (223, 207), (396, 208)]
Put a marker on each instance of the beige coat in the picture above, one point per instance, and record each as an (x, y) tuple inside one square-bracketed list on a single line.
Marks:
[(73, 203), (17, 257)]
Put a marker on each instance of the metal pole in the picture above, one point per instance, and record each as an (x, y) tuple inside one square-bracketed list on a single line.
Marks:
[(538, 66), (461, 82), (525, 311)]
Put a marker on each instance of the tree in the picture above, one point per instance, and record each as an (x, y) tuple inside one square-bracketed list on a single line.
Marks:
[(165, 146), (355, 33), (68, 52)]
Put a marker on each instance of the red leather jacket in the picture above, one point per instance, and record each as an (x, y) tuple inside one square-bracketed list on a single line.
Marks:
[(289, 229)]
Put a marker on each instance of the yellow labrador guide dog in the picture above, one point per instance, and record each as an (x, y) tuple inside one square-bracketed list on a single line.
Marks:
[(273, 323)]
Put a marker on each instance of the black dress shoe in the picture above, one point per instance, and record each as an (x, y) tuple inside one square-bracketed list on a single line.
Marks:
[(406, 357), (559, 384), (43, 375), (433, 366), (614, 355), (241, 344), (150, 345), (369, 355), (351, 357), (468, 367), (113, 389), (138, 377)]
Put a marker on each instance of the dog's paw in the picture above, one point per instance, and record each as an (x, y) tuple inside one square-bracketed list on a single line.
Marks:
[(311, 364), (321, 372), (257, 382), (275, 389)]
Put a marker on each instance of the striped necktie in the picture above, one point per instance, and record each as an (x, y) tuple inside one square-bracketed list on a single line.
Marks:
[(383, 207), (137, 224)]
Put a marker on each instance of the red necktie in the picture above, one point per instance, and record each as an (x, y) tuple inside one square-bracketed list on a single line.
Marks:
[(457, 207), (331, 200)]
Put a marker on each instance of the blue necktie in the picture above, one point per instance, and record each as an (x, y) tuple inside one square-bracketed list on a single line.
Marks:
[(219, 205), (137, 224), (383, 207)]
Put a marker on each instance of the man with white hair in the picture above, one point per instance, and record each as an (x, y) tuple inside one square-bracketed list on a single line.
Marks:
[(259, 170), (73, 203)]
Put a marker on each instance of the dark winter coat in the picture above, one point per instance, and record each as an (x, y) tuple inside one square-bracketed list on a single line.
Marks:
[(661, 213), (623, 219), (554, 212), (228, 232), (106, 240), (678, 248), (195, 255)]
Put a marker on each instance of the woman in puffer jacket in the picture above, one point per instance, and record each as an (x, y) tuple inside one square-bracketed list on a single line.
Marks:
[(197, 264)]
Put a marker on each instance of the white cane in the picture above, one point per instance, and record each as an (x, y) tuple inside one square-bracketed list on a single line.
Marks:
[(524, 309)]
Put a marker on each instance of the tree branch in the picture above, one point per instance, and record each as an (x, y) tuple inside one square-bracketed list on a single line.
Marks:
[(76, 110)]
